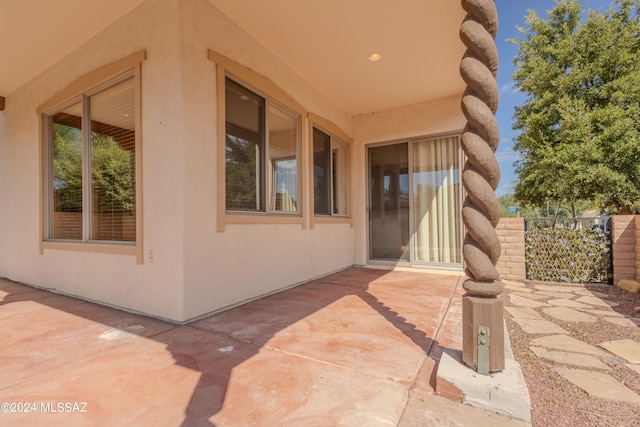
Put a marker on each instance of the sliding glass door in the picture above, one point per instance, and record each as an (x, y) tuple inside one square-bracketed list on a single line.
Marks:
[(415, 201), (389, 207), (436, 200)]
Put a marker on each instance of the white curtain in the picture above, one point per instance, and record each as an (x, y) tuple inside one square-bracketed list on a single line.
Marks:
[(436, 193)]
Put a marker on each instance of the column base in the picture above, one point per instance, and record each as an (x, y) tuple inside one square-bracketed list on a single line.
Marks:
[(489, 313)]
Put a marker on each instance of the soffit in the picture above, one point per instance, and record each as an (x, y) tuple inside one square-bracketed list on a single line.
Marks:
[(35, 34), (327, 42)]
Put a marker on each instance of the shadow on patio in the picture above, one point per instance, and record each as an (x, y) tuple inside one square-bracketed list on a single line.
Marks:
[(352, 348)]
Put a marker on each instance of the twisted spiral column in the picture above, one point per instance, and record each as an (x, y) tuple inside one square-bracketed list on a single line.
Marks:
[(482, 310), (481, 174)]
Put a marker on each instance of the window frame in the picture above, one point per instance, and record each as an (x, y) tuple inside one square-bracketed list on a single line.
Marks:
[(83, 87), (337, 135), (267, 177), (262, 86)]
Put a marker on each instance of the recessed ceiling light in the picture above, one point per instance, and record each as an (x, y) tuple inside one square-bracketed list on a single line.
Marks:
[(374, 57), (244, 98)]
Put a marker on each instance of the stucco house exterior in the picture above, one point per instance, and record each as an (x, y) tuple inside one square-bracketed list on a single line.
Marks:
[(179, 157)]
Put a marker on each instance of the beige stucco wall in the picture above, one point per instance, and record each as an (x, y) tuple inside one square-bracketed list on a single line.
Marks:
[(113, 279), (252, 260), (195, 269), (440, 116)]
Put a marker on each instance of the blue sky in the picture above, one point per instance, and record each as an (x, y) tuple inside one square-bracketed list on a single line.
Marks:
[(511, 13)]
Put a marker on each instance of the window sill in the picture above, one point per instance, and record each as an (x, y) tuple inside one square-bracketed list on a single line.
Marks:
[(243, 218), (106, 248), (331, 220)]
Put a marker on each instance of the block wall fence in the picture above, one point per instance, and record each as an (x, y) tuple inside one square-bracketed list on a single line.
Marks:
[(511, 264), (625, 239)]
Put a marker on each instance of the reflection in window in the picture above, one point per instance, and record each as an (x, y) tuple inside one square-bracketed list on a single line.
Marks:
[(244, 149), (283, 137), (330, 175), (257, 129), (66, 166), (109, 211)]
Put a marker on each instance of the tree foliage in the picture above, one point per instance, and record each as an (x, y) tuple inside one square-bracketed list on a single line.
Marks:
[(67, 168), (242, 175), (580, 125), (112, 169), (548, 209)]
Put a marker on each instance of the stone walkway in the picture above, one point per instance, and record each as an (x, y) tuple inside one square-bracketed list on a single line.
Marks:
[(541, 309)]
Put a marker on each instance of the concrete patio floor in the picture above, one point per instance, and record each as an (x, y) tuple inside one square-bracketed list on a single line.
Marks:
[(356, 348)]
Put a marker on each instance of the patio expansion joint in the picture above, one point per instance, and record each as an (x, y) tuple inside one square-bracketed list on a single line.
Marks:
[(301, 356), (341, 285), (446, 310), (222, 334), (413, 385), (407, 384)]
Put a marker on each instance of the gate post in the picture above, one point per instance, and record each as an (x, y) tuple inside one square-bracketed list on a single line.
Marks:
[(481, 307)]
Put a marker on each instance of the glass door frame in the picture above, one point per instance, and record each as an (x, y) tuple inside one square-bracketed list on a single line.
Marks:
[(412, 235), (399, 214)]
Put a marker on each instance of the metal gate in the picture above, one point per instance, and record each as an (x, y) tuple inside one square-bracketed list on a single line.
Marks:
[(574, 250)]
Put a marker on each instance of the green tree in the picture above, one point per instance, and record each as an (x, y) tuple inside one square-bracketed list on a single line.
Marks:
[(508, 200), (580, 124), (67, 168), (242, 160), (113, 175)]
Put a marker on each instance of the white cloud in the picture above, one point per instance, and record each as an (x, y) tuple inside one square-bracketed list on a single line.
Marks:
[(506, 188), (506, 153), (509, 89)]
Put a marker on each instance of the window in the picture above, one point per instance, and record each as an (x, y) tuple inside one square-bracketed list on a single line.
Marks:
[(262, 139), (91, 148), (261, 153), (330, 175)]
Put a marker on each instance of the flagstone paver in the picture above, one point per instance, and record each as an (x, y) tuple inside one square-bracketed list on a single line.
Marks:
[(595, 301), (575, 359), (565, 295), (523, 313), (627, 349), (534, 326), (559, 288), (514, 283), (621, 321), (563, 342), (634, 367), (518, 289), (567, 314), (536, 297), (599, 384), (586, 366), (598, 294), (567, 303), (608, 313), (526, 302), (585, 292)]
